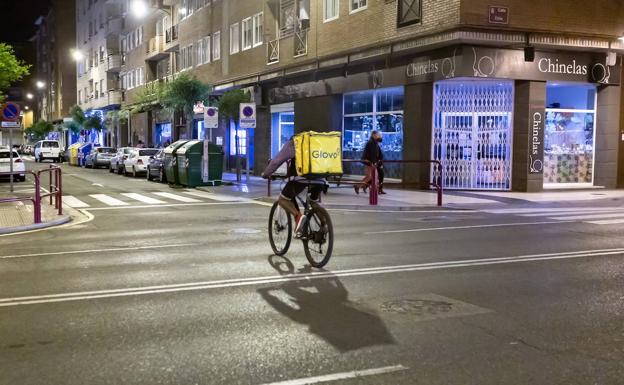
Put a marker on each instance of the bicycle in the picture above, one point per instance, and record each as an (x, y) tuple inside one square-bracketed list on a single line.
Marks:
[(317, 232)]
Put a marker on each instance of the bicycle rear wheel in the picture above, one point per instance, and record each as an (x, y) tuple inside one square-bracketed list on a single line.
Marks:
[(280, 229), (319, 237)]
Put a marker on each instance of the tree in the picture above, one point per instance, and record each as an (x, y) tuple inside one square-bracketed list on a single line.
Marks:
[(181, 94), (229, 108), (11, 68), (39, 130), (78, 120)]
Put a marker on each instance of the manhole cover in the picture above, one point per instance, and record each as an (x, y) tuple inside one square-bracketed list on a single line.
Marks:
[(245, 231), (417, 306)]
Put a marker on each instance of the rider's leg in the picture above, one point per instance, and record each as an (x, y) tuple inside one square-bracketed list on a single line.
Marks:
[(287, 198)]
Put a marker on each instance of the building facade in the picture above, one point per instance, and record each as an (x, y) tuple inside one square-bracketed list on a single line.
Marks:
[(55, 68), (512, 97)]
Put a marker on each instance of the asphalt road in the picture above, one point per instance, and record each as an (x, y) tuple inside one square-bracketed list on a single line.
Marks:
[(188, 293)]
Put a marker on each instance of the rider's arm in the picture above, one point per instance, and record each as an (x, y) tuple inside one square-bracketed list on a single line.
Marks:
[(287, 152)]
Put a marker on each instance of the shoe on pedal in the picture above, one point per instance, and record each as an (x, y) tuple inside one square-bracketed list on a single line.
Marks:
[(298, 225)]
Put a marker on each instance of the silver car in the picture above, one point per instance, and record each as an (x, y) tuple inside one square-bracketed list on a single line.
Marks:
[(117, 161), (100, 157)]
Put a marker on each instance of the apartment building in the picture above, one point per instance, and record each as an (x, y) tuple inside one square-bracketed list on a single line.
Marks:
[(54, 66), (506, 97)]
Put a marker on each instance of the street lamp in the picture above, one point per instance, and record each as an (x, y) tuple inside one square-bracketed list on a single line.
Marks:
[(138, 8), (29, 96), (26, 108), (77, 54), (40, 84)]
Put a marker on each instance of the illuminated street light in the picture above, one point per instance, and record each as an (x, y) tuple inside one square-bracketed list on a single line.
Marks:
[(27, 108), (77, 55), (40, 84), (138, 8), (29, 96)]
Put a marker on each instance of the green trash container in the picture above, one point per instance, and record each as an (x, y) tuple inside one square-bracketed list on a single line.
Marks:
[(170, 161), (190, 164)]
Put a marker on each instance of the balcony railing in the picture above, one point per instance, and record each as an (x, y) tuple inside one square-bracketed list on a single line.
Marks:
[(301, 42), (171, 34), (113, 63), (115, 97), (155, 45), (273, 51)]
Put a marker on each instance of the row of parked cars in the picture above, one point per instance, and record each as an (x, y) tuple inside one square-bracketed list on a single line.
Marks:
[(18, 163), (128, 161)]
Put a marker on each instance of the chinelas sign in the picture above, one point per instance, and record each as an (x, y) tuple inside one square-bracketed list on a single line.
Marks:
[(481, 62)]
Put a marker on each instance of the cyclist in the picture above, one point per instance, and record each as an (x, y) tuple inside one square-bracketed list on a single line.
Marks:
[(295, 185)]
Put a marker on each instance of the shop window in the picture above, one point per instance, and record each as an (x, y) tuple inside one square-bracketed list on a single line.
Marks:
[(472, 133), (380, 110), (282, 129), (242, 141), (569, 133)]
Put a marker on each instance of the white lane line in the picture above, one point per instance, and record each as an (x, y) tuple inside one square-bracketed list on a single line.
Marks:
[(342, 376), (253, 281), (143, 198), (607, 222), (590, 216), (170, 205), (73, 202), (576, 212), (465, 227), (216, 197), (108, 200), (409, 211), (134, 248), (176, 197), (552, 210)]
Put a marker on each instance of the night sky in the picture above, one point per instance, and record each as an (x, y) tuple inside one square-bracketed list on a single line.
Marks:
[(18, 19)]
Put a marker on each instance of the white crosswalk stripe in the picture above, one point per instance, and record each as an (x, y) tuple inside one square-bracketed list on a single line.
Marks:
[(176, 197), (72, 201), (592, 215), (108, 200), (143, 198), (215, 197)]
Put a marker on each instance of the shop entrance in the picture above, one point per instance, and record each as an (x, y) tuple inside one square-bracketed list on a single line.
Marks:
[(472, 133), (569, 135)]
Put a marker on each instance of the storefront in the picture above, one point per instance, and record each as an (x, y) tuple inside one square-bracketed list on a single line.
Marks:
[(494, 120)]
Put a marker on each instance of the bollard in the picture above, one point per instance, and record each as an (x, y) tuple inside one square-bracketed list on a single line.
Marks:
[(59, 195), (374, 193), (37, 200)]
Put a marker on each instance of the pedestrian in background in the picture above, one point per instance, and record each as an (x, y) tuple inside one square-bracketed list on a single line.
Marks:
[(373, 154)]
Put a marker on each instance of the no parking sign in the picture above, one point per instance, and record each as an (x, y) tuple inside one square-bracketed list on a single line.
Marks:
[(247, 115)]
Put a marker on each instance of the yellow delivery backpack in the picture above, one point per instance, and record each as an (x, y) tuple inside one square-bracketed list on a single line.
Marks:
[(318, 154)]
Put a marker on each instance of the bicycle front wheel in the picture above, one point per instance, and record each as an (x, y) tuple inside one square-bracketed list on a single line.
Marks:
[(319, 237), (280, 229)]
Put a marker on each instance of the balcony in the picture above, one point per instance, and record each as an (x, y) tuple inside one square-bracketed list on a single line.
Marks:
[(115, 97), (155, 49), (113, 63), (273, 51), (171, 39), (114, 27)]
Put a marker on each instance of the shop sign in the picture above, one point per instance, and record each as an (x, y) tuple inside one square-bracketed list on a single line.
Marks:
[(536, 140), (498, 15)]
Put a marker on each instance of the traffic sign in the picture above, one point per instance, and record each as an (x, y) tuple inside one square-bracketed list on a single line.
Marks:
[(10, 112), (211, 117), (10, 125), (247, 115)]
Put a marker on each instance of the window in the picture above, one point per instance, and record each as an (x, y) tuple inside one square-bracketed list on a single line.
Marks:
[(206, 49), (199, 54), (216, 45), (242, 141), (409, 12), (247, 33), (258, 29), (234, 38), (79, 96), (287, 17), (189, 56), (331, 9), (102, 87), (357, 5), (97, 94)]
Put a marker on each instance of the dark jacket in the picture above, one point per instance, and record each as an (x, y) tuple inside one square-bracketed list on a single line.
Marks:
[(372, 152), (287, 153)]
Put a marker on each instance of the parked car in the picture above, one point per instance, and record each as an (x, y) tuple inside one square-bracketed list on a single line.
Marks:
[(28, 149), (116, 162), (100, 156), (137, 160), (18, 164), (156, 167), (47, 149)]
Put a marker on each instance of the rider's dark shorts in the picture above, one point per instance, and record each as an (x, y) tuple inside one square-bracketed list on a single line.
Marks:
[(294, 188)]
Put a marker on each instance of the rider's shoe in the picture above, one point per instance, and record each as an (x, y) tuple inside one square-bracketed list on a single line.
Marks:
[(299, 225)]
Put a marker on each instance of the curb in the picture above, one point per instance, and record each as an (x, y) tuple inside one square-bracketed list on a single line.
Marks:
[(368, 208), (36, 226)]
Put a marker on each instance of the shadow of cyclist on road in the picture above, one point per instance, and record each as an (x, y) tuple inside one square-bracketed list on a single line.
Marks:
[(323, 305)]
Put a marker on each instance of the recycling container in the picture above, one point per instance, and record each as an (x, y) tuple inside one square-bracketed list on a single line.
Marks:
[(73, 153), (83, 152), (190, 157), (170, 161)]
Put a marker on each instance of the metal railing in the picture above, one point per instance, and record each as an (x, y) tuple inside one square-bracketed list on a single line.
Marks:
[(55, 191), (301, 42), (273, 51)]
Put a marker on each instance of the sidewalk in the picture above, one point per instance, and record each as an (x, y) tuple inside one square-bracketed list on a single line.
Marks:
[(19, 216), (344, 197)]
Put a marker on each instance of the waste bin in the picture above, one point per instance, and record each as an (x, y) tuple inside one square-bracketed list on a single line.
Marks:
[(73, 153), (83, 152), (170, 161), (190, 167)]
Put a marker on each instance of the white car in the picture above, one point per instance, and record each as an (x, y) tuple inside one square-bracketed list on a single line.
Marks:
[(18, 164), (47, 149), (138, 160)]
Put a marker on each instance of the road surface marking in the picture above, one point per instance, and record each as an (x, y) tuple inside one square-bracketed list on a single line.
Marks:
[(590, 216), (96, 250), (74, 202), (143, 198), (108, 200), (168, 205), (254, 281), (465, 227), (607, 222), (216, 197), (97, 184), (341, 376), (575, 212), (176, 197), (409, 211), (551, 210)]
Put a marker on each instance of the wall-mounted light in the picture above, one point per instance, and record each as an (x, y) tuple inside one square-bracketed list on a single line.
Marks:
[(29, 96), (40, 84)]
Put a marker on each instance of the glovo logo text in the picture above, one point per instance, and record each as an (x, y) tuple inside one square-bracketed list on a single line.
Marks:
[(317, 154)]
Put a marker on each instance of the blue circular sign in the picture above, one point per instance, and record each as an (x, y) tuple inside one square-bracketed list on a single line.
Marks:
[(211, 112), (248, 111), (11, 111)]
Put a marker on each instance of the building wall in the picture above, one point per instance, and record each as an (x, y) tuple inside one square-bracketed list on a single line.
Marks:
[(65, 40), (607, 137)]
